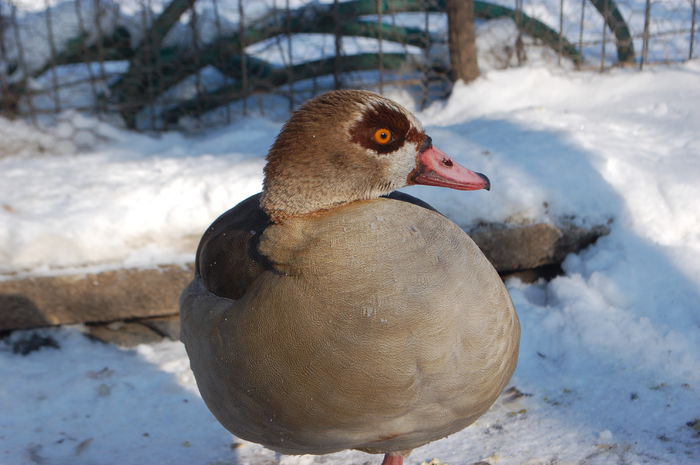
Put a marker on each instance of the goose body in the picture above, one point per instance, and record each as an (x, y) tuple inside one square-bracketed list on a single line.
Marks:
[(347, 320)]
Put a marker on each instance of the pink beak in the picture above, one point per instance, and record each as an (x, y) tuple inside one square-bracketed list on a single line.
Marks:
[(435, 168)]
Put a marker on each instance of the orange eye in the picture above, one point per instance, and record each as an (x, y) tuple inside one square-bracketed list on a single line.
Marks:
[(382, 136)]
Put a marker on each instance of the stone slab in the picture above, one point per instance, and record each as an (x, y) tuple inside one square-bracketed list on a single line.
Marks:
[(124, 334), (146, 293), (524, 247), (107, 296), (168, 326)]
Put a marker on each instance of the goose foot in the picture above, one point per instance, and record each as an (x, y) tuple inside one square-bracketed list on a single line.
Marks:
[(392, 459)]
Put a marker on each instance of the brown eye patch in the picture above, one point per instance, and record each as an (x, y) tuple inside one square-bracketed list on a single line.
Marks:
[(368, 131)]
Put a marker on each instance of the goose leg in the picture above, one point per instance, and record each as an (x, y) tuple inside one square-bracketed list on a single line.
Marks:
[(392, 459)]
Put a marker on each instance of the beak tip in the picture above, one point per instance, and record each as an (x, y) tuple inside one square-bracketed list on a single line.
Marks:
[(487, 182)]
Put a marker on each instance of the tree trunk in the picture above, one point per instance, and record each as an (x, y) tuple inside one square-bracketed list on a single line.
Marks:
[(462, 40)]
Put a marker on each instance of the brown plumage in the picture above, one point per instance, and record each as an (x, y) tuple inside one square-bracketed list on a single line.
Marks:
[(324, 317)]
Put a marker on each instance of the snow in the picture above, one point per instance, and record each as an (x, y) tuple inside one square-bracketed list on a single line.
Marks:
[(669, 26), (610, 355), (148, 187)]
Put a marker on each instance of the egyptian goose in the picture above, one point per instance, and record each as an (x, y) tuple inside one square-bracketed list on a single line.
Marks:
[(328, 313)]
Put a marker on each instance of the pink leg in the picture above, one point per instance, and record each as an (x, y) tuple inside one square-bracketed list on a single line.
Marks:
[(390, 459)]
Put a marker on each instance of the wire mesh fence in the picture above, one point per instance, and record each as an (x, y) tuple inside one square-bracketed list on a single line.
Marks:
[(158, 64)]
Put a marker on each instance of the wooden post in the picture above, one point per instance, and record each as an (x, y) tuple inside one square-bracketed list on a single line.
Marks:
[(462, 40)]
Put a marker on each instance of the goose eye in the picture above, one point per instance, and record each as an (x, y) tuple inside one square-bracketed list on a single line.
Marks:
[(382, 136)]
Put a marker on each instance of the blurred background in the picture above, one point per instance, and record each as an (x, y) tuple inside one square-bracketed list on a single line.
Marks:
[(162, 64)]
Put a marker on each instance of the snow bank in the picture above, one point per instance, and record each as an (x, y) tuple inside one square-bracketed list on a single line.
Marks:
[(130, 201), (586, 146)]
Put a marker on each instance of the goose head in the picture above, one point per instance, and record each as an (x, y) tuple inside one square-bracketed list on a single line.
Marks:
[(349, 145)]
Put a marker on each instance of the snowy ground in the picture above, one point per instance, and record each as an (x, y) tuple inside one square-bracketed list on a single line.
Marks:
[(610, 357)]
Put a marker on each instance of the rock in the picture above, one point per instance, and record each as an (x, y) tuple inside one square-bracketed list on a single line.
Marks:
[(96, 297), (524, 247), (546, 272), (33, 342), (124, 334), (167, 326), (513, 393)]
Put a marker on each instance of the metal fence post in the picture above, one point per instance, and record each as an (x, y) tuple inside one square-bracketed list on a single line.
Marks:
[(100, 48), (692, 30), (196, 45), (8, 102), (519, 46), (244, 57), (337, 84), (381, 52), (425, 79), (217, 23), (290, 59), (88, 65), (52, 49), (146, 21), (645, 35), (561, 31), (580, 29), (605, 35), (23, 65)]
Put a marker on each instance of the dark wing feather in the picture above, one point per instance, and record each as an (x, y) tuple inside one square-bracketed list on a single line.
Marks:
[(397, 195), (227, 257)]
